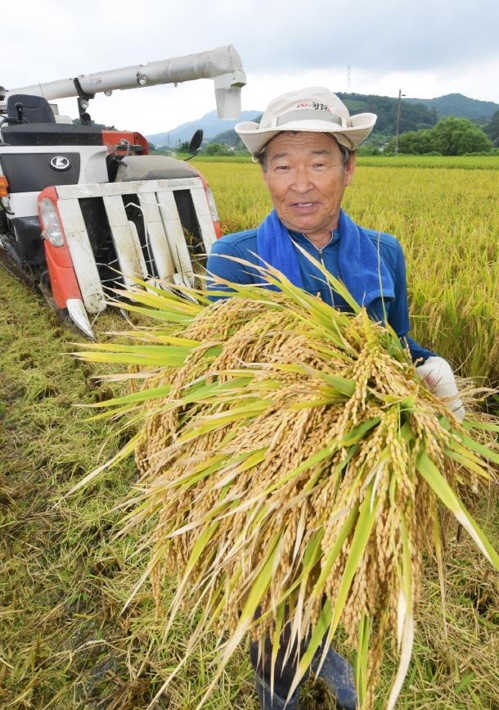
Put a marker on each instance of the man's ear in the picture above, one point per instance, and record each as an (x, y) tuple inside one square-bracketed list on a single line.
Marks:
[(350, 167), (265, 174)]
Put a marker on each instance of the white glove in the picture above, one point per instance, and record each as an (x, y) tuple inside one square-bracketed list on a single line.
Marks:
[(437, 374)]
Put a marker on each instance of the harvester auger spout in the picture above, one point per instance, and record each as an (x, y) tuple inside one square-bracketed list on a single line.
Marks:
[(222, 64)]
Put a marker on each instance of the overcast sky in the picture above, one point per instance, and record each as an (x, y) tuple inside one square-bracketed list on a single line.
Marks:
[(424, 48)]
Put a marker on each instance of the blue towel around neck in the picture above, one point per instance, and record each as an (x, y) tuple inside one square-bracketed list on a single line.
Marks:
[(360, 266)]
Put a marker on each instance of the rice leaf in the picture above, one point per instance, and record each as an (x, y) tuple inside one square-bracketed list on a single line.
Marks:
[(442, 489)]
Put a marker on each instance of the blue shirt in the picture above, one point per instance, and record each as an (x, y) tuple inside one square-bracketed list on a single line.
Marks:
[(243, 245)]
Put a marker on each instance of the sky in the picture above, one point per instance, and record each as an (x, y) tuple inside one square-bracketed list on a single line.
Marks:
[(423, 49)]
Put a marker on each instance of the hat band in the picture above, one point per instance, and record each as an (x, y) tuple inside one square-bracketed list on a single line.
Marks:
[(302, 114)]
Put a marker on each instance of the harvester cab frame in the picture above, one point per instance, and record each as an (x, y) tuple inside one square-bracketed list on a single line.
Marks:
[(24, 108)]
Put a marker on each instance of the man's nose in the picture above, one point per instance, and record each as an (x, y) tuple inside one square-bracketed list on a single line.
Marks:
[(301, 180)]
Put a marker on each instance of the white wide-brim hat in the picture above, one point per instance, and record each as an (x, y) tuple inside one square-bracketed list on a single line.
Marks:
[(314, 109)]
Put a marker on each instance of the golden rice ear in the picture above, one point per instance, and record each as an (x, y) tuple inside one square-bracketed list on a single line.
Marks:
[(292, 463)]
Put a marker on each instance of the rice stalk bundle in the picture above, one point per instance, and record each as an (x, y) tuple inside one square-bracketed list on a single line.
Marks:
[(296, 469)]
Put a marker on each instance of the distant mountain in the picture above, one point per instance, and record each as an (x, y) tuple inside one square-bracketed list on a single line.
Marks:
[(210, 123), (415, 115), (460, 106)]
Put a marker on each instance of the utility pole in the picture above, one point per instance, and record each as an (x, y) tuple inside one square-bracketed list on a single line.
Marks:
[(397, 125)]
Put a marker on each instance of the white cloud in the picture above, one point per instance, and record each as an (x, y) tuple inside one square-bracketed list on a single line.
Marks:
[(425, 49)]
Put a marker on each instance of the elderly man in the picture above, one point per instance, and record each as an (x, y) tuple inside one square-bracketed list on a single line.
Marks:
[(305, 144)]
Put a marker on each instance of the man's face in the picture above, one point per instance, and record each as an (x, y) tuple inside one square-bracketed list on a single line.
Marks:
[(306, 179)]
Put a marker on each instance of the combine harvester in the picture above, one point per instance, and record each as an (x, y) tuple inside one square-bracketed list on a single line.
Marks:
[(83, 209)]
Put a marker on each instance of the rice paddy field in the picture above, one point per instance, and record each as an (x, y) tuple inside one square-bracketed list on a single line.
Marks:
[(447, 220), (69, 636)]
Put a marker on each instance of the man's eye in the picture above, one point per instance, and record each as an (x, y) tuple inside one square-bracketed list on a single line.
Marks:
[(282, 167)]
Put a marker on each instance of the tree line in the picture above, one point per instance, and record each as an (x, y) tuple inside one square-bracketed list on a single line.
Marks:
[(451, 136), (410, 128)]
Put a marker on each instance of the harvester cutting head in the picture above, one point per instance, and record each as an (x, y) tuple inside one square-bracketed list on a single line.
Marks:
[(86, 210)]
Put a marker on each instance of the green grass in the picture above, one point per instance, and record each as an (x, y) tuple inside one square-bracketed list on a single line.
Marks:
[(464, 162), (66, 639)]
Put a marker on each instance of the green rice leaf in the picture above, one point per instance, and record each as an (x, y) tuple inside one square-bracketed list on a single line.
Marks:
[(439, 485), (484, 451)]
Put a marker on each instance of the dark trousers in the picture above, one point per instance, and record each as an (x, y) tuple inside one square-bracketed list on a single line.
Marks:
[(285, 664), (335, 670)]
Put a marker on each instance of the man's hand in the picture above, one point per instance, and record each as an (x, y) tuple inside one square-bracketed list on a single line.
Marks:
[(438, 376)]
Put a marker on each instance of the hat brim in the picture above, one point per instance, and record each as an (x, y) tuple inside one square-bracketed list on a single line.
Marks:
[(256, 138)]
